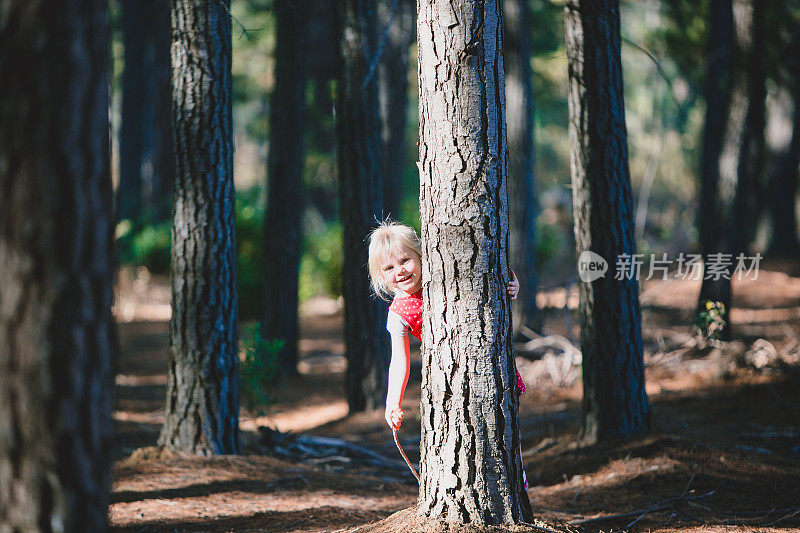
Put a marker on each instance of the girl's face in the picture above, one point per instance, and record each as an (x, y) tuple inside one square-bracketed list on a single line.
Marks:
[(403, 271)]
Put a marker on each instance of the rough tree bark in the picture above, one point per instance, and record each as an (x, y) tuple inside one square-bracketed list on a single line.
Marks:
[(471, 467), (397, 20), (202, 414), (57, 336), (283, 225), (360, 167), (521, 163), (146, 165), (614, 398), (735, 165)]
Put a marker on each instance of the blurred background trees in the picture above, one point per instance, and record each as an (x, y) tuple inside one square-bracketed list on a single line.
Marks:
[(677, 71)]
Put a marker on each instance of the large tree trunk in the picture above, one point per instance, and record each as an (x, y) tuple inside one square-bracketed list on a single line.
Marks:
[(614, 398), (397, 19), (146, 165), (57, 336), (360, 169), (283, 231), (202, 414), (471, 465), (722, 236), (521, 163)]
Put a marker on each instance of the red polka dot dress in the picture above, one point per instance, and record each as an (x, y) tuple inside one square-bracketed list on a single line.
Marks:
[(409, 308)]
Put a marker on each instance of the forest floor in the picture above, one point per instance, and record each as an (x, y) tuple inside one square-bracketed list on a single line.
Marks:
[(724, 453)]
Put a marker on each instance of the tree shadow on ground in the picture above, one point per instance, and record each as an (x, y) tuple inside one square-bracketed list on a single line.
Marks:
[(728, 454), (322, 518)]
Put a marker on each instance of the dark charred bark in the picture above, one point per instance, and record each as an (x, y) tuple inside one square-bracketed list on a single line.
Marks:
[(360, 169), (202, 414), (471, 467), (614, 398), (146, 163), (283, 231), (521, 162), (57, 335), (397, 20)]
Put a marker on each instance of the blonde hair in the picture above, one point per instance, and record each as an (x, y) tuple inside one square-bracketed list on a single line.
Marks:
[(389, 239)]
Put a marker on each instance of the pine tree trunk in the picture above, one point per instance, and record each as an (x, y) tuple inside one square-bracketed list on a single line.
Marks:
[(57, 335), (749, 194), (360, 161), (146, 165), (202, 414), (716, 201), (283, 230), (614, 398), (397, 18), (735, 166), (521, 163), (784, 146), (471, 467)]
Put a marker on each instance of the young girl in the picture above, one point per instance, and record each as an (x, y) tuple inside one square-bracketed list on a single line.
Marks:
[(395, 266)]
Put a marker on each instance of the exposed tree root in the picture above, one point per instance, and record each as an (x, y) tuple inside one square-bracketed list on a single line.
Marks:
[(407, 521)]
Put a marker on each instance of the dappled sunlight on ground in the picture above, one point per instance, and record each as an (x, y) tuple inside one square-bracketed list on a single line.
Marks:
[(724, 454)]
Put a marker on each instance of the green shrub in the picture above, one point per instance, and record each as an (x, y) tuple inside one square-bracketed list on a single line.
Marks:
[(709, 323), (259, 367), (147, 245), (250, 214)]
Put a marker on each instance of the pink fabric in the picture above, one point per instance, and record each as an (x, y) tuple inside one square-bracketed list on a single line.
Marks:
[(410, 310)]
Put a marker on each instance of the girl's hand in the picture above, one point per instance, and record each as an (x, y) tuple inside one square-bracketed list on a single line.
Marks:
[(513, 286), (394, 417)]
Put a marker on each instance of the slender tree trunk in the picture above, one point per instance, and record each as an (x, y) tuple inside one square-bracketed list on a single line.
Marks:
[(134, 78), (784, 146), (749, 191), (721, 238), (716, 201), (397, 19), (283, 230), (57, 335), (202, 414), (614, 398), (146, 165), (471, 466), (521, 163), (360, 163)]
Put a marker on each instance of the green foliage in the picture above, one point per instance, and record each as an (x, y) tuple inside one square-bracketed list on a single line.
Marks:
[(258, 369), (550, 240), (250, 214), (147, 245), (709, 323), (321, 265)]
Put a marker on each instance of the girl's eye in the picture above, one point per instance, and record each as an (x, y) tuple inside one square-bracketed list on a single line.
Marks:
[(388, 268), (405, 260)]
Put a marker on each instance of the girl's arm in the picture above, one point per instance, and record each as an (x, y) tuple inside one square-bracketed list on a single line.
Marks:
[(398, 379)]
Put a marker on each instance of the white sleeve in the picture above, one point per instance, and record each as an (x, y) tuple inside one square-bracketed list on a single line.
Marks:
[(395, 324)]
